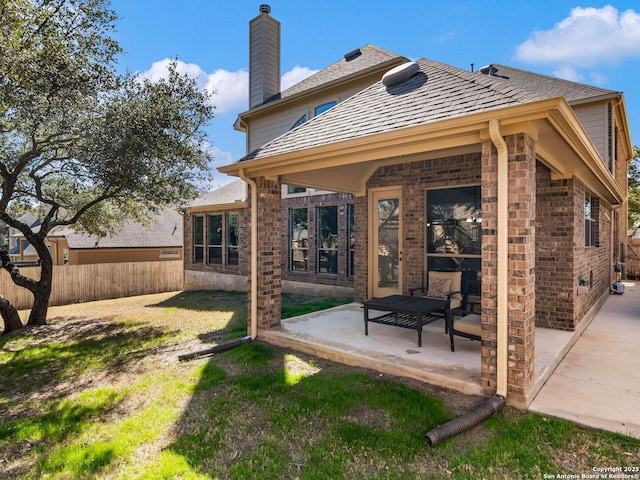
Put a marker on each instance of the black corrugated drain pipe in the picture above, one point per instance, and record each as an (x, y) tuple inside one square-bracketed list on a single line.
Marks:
[(223, 347), (470, 419)]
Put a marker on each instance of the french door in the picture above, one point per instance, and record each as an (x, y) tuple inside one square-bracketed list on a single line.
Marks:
[(386, 246)]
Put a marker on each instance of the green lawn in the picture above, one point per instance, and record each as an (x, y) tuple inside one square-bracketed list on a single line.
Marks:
[(99, 393)]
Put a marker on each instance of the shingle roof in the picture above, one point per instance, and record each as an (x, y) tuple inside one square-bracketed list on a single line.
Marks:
[(437, 92), (548, 86), (165, 231), (369, 56), (231, 193)]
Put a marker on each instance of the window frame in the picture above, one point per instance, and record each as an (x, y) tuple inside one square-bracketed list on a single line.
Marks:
[(351, 236), (198, 247)]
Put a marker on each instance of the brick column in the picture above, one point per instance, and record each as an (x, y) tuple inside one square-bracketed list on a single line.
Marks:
[(521, 266), (269, 253), (361, 229)]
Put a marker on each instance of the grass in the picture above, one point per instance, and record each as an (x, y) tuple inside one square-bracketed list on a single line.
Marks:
[(99, 393)]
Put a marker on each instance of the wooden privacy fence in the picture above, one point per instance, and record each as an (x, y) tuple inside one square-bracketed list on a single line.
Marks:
[(100, 281), (632, 258)]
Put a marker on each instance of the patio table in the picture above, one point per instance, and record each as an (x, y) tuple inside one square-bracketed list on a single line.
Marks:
[(405, 311)]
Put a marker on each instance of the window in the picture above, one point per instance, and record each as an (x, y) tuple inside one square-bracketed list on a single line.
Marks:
[(299, 238), (300, 121), (214, 239), (198, 239), (323, 108), (328, 240), (454, 232), (590, 220), (295, 189), (352, 241), (233, 224)]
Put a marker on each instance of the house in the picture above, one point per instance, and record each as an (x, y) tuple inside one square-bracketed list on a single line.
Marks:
[(18, 247), (516, 178), (161, 240)]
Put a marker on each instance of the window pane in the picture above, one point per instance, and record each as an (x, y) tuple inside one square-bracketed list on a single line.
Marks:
[(388, 223), (300, 121), (294, 189), (233, 222), (232, 256), (215, 255), (215, 229), (299, 235), (454, 221), (328, 239), (323, 108)]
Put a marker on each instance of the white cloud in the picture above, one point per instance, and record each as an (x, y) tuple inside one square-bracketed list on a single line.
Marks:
[(568, 73), (230, 89), (295, 75), (587, 37)]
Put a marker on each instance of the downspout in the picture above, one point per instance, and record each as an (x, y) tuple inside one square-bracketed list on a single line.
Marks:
[(503, 256), (253, 331), (489, 406)]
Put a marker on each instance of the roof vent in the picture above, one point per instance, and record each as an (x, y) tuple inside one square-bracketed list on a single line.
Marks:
[(352, 54), (264, 8), (399, 74), (489, 70)]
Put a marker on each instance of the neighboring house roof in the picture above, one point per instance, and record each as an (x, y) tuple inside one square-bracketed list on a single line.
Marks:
[(437, 92), (232, 194), (28, 219), (165, 231)]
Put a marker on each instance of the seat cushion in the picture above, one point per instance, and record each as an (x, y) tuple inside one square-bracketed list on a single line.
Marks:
[(470, 324)]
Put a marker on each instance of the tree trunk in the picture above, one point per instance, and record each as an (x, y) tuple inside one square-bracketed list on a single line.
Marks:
[(9, 315), (42, 290)]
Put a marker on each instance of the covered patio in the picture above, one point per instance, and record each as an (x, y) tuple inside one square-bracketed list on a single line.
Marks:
[(338, 334), (392, 147)]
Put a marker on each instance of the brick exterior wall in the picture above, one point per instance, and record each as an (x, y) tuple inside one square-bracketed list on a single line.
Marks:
[(311, 202), (414, 178), (562, 259), (555, 227)]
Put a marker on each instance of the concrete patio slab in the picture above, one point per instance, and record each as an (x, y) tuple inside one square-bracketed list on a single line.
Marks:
[(338, 334), (597, 384)]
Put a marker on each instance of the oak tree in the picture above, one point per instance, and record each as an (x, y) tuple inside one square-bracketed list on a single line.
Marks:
[(80, 143)]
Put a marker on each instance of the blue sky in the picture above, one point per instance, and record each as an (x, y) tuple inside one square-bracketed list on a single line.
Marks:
[(593, 43)]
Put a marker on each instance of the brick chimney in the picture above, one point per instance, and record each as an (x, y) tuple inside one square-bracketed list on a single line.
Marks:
[(264, 57)]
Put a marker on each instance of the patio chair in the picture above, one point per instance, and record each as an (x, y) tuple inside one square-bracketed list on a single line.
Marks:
[(444, 285), (469, 326)]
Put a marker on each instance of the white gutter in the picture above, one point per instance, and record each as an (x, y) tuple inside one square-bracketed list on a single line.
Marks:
[(253, 331), (503, 256)]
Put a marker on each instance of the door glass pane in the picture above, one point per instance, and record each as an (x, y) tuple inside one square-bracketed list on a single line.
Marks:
[(388, 218)]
